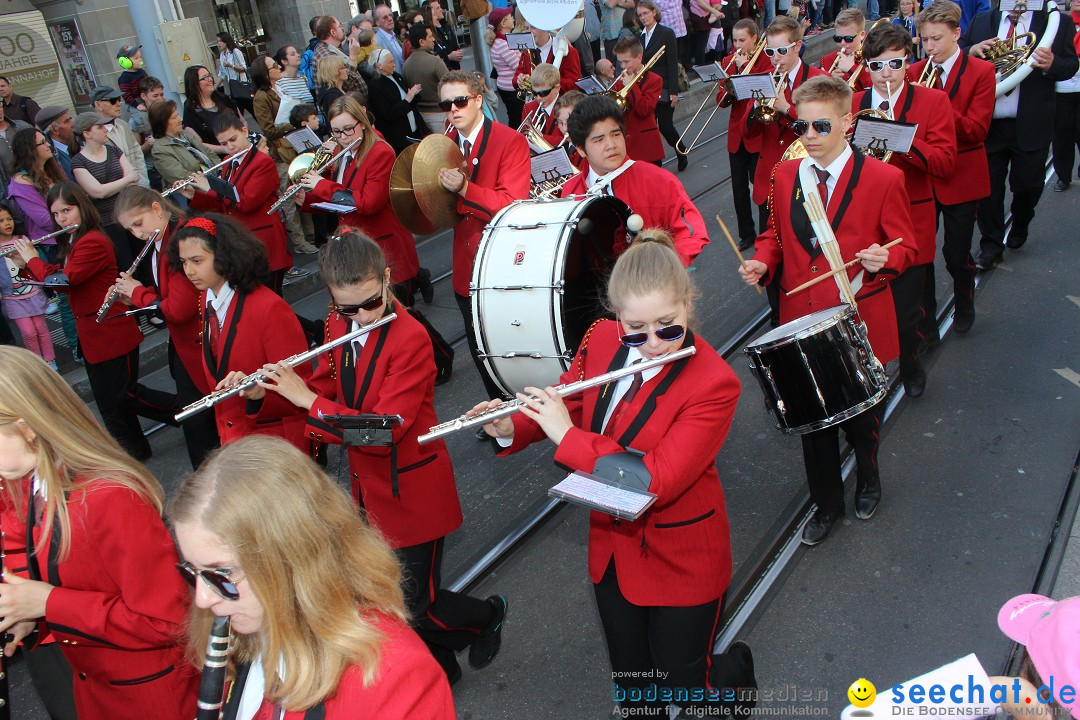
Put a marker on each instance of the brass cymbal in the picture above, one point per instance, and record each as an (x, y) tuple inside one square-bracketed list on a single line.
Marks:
[(402, 197), (435, 153)]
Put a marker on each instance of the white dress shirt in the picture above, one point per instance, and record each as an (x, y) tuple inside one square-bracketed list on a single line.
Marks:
[(835, 168), (1007, 104), (220, 302), (876, 98)]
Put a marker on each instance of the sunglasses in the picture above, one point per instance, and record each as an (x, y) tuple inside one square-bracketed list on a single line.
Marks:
[(666, 333), (367, 306), (345, 131), (460, 102), (879, 65), (217, 580), (821, 127), (114, 101), (844, 38), (542, 93), (779, 51)]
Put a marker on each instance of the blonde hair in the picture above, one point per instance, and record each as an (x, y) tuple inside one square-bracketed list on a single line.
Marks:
[(72, 449), (649, 265), (824, 89), (327, 71), (942, 12), (784, 25), (851, 16), (316, 567), (545, 74), (349, 105)]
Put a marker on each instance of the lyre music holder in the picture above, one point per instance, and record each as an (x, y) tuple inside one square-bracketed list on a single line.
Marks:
[(365, 430)]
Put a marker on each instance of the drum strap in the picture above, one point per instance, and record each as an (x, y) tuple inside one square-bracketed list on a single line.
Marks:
[(604, 183)]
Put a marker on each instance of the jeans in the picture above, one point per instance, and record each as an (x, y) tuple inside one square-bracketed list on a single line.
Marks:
[(873, 10), (770, 12)]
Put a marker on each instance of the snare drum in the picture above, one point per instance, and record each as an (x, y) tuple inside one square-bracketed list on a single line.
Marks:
[(538, 284), (818, 370)]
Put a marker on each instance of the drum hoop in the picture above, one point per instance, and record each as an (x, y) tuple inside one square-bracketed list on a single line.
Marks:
[(837, 418), (846, 311)]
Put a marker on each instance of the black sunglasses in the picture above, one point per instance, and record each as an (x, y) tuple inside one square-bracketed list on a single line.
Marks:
[(367, 306), (460, 102), (666, 333), (879, 65), (542, 93), (801, 127), (843, 38), (217, 580)]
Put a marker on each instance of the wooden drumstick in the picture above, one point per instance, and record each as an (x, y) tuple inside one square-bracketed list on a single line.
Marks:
[(735, 247), (842, 268)]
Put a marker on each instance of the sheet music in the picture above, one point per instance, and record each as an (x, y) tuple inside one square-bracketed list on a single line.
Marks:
[(285, 109), (551, 165), (588, 490), (590, 85), (747, 87), (223, 188), (520, 41), (334, 207), (304, 140), (884, 134), (710, 73), (1007, 6)]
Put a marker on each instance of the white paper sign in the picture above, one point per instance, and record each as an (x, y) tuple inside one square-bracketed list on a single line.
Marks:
[(590, 491)]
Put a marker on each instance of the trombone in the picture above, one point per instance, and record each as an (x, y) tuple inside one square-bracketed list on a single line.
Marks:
[(726, 98), (316, 162), (620, 96), (765, 113)]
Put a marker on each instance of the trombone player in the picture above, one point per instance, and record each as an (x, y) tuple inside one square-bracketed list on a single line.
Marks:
[(1019, 137), (641, 89), (848, 34)]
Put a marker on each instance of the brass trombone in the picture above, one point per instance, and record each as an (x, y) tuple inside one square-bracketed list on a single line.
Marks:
[(620, 95), (929, 75), (726, 98), (765, 113)]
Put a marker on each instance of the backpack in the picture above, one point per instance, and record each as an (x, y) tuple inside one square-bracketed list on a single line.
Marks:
[(305, 67)]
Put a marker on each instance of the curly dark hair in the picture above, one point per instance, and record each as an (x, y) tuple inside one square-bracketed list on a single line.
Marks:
[(24, 154), (72, 193), (239, 256)]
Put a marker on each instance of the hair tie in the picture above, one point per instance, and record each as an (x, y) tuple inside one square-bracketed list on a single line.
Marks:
[(205, 224)]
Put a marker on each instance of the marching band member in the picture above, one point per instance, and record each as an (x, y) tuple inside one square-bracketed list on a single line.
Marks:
[(563, 107), (658, 581), (969, 83), (311, 591), (142, 212), (570, 68), (365, 177), (244, 324), (849, 32), (541, 110), (887, 51), (496, 173), (598, 129), (1023, 125), (256, 180), (643, 140), (88, 262), (743, 150), (406, 490), (99, 562), (867, 207)]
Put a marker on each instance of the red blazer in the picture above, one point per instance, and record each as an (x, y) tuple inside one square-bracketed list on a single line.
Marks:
[(661, 201), (119, 608), (409, 684), (740, 110), (643, 141), (499, 172), (259, 328), (861, 83), (257, 183), (775, 137), (971, 90), (569, 69), (550, 130), (869, 205), (933, 155), (91, 269), (369, 183), (408, 491), (179, 303), (679, 552)]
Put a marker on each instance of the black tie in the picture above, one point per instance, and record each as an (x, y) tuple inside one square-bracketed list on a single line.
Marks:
[(822, 185), (466, 148), (884, 106)]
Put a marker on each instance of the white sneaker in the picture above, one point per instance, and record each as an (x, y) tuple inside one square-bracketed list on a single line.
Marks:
[(306, 248), (52, 364), (52, 308)]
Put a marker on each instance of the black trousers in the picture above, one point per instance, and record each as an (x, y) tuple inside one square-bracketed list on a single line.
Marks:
[(675, 640), (514, 107), (121, 240), (743, 164), (51, 675), (821, 457), (1025, 171), (959, 224), (200, 430), (908, 291), (772, 290), (121, 400), (928, 329), (665, 120), (446, 621), (1066, 134), (6, 336), (465, 306)]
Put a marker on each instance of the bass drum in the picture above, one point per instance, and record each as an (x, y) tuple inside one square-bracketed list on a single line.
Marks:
[(538, 284)]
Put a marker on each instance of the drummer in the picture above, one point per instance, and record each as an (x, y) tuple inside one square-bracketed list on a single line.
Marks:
[(598, 130), (868, 205)]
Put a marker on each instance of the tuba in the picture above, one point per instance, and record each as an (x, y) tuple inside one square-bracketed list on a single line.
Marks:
[(534, 137), (1012, 60)]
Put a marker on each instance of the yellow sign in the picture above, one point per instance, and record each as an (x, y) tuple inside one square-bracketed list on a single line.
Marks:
[(186, 57)]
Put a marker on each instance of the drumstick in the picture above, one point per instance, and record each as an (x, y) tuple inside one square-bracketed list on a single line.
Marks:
[(829, 274), (742, 260)]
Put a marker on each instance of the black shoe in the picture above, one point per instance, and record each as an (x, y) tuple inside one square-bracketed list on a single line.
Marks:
[(453, 675), (929, 343), (481, 434), (427, 289), (746, 244), (682, 155), (867, 499), (1061, 186), (963, 320), (987, 260), (819, 526), (734, 669), (1016, 240), (443, 375), (484, 648), (916, 384)]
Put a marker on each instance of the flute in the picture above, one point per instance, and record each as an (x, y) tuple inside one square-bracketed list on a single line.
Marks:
[(257, 377), (114, 292), (509, 407), (191, 178), (70, 228), (212, 680)]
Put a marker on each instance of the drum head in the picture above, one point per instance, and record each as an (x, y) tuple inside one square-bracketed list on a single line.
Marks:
[(548, 15), (803, 325)]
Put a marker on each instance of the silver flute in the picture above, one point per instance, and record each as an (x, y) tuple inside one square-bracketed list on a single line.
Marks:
[(114, 291), (37, 241), (190, 179), (509, 407), (258, 376)]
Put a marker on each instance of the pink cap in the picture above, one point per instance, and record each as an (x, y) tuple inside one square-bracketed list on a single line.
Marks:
[(1051, 632)]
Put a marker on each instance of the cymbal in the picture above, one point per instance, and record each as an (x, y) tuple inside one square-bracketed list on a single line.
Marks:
[(402, 198), (435, 153)]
